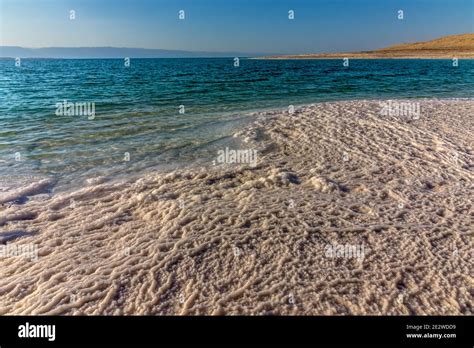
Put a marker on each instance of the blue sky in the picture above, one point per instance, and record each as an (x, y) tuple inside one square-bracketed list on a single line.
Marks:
[(257, 26)]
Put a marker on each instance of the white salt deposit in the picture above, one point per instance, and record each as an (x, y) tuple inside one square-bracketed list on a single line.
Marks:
[(253, 240)]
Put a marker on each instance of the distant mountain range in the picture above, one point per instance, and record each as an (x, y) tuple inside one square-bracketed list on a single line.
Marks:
[(460, 46), (447, 47), (109, 52)]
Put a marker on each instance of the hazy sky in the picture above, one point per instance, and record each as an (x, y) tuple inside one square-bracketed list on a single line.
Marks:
[(257, 26)]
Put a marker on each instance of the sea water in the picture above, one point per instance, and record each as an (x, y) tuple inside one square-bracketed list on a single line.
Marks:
[(159, 113)]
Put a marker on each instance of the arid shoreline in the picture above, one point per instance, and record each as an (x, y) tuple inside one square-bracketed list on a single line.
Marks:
[(448, 47), (369, 56)]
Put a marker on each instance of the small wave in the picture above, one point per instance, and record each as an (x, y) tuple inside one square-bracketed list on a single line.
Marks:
[(22, 193)]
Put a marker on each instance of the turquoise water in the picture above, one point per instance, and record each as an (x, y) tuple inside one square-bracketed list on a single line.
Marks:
[(137, 107)]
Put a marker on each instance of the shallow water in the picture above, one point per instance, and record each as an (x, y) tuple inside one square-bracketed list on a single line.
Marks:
[(137, 108)]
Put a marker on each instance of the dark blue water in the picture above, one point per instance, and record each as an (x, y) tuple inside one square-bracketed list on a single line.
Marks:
[(137, 107)]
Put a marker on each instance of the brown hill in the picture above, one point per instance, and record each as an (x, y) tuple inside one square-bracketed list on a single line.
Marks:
[(463, 42), (459, 46)]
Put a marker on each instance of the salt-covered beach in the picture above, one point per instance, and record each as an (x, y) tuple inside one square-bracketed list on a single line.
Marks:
[(347, 210)]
